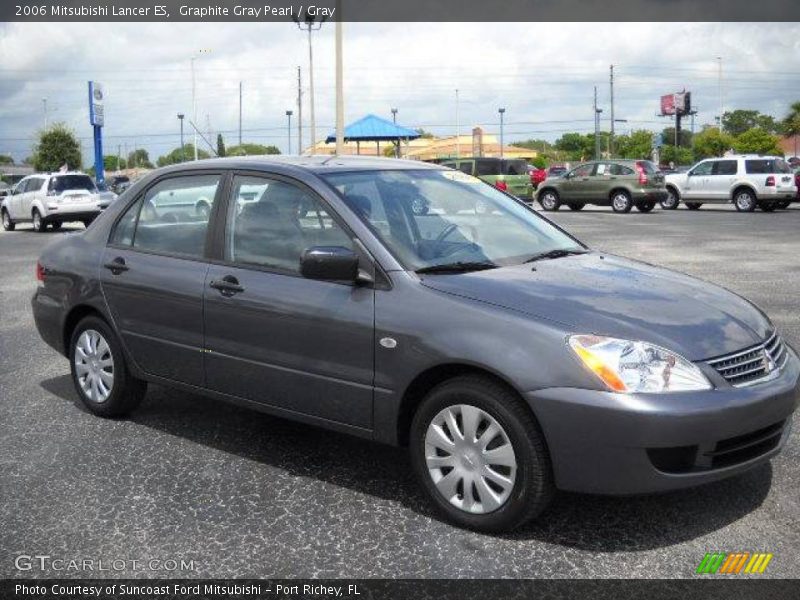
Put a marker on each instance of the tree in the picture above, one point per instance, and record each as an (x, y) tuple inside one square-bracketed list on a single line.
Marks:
[(711, 142), (639, 144), (539, 161), (56, 146), (577, 146), (675, 155), (5, 159), (220, 145), (248, 149), (113, 163), (177, 155), (424, 134), (791, 123), (140, 158), (685, 141), (738, 121), (757, 141)]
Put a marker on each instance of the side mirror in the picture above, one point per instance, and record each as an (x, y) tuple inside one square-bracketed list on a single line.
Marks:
[(331, 263)]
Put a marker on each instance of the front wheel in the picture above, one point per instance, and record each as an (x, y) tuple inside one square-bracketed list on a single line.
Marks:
[(694, 205), (621, 201), (646, 206), (745, 201), (671, 201), (38, 224), (480, 455), (99, 372), (550, 200), (8, 224)]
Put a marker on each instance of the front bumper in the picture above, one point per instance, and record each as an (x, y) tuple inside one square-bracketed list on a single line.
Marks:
[(609, 443)]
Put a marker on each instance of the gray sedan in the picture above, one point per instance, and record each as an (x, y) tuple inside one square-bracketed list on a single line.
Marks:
[(507, 356)]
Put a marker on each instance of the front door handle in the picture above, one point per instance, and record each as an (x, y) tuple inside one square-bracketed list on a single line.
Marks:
[(117, 266), (227, 286)]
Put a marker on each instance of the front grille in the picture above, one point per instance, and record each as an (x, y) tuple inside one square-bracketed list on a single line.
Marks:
[(753, 364)]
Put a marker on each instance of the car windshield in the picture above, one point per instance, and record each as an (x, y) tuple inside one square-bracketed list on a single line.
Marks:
[(429, 218), (62, 183)]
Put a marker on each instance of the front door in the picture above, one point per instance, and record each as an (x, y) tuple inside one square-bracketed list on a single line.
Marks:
[(152, 275), (697, 181), (577, 184), (274, 337)]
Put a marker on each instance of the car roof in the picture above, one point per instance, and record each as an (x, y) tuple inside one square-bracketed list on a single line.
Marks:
[(313, 164)]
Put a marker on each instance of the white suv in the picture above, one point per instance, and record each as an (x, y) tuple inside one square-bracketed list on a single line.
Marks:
[(747, 180), (53, 199)]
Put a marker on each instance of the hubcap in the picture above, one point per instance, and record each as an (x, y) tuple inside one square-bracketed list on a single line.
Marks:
[(744, 200), (94, 366), (620, 201), (549, 201), (671, 199), (470, 459)]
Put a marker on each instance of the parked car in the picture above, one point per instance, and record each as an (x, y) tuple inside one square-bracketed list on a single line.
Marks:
[(621, 184), (508, 175), (5, 189), (507, 356), (52, 199), (537, 177), (746, 180), (118, 183)]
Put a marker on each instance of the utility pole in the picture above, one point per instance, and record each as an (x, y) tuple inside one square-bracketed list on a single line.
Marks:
[(289, 132), (719, 83), (310, 25), (299, 113), (339, 87), (240, 113), (458, 129), (597, 112), (183, 150), (194, 108), (502, 111), (611, 137), (394, 122), (44, 103), (119, 157)]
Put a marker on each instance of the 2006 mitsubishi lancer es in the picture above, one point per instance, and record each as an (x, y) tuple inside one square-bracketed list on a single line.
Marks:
[(418, 306)]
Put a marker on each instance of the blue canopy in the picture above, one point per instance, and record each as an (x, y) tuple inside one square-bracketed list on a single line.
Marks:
[(374, 129)]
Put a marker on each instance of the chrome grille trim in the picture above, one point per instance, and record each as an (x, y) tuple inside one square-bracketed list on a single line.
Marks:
[(754, 364)]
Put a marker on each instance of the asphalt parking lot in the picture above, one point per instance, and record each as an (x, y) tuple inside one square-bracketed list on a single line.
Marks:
[(246, 495)]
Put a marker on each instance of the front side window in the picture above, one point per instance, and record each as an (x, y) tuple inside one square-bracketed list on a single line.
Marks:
[(272, 222), (171, 218), (582, 171), (703, 168), (428, 218)]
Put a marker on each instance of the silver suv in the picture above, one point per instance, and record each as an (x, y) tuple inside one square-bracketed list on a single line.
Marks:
[(747, 180), (52, 199)]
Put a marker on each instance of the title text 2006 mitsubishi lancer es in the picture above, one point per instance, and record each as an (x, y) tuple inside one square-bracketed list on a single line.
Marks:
[(416, 305)]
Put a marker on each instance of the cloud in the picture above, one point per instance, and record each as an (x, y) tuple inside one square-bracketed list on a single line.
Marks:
[(542, 73)]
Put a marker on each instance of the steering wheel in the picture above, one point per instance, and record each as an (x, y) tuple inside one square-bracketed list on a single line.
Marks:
[(439, 241)]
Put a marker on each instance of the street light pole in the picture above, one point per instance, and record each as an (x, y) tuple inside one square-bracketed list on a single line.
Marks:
[(310, 25), (394, 121), (289, 131), (183, 151), (44, 103), (194, 109), (458, 129), (339, 85), (502, 111)]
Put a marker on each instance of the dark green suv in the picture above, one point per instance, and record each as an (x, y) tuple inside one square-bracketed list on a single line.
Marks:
[(621, 184)]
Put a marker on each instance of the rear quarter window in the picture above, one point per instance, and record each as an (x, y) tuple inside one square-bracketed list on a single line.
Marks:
[(766, 165), (515, 167), (487, 167)]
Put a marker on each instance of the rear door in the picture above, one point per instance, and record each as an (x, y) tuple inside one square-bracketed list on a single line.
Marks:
[(273, 336), (720, 182), (517, 177), (152, 276)]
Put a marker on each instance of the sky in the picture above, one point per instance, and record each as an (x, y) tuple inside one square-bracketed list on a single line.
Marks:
[(543, 74)]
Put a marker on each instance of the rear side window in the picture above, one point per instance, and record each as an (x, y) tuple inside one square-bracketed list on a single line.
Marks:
[(725, 167), (515, 167), (649, 167), (488, 167), (766, 165), (63, 183), (171, 218)]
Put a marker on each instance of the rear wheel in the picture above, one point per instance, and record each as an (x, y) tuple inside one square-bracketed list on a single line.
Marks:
[(621, 201), (38, 223), (480, 455), (99, 372), (8, 224), (671, 201), (646, 206), (550, 200), (744, 200), (575, 205), (694, 205)]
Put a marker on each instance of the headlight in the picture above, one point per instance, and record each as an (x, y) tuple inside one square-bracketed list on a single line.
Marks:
[(631, 367)]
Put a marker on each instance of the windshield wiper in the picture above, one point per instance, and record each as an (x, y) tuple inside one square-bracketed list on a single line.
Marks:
[(556, 253), (458, 267)]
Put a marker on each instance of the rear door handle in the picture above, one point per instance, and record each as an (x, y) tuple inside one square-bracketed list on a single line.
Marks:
[(117, 266), (227, 286)]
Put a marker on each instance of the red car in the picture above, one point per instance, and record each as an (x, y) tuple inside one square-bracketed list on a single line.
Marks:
[(537, 176)]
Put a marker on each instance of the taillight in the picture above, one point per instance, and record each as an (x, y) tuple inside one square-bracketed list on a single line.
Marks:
[(40, 273), (501, 185), (642, 174), (770, 181)]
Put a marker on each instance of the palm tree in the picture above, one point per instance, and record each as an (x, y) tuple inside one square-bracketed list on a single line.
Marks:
[(791, 124)]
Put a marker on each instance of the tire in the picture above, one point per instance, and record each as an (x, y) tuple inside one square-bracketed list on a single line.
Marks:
[(575, 205), (783, 204), (745, 200), (768, 206), (123, 392), (56, 225), (8, 224), (518, 491), (672, 200), (621, 201), (550, 200), (646, 206), (39, 226), (694, 205)]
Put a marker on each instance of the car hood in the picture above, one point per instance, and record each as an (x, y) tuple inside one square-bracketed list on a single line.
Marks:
[(618, 297)]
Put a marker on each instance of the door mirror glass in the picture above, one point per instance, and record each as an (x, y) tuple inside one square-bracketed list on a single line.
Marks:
[(331, 263)]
